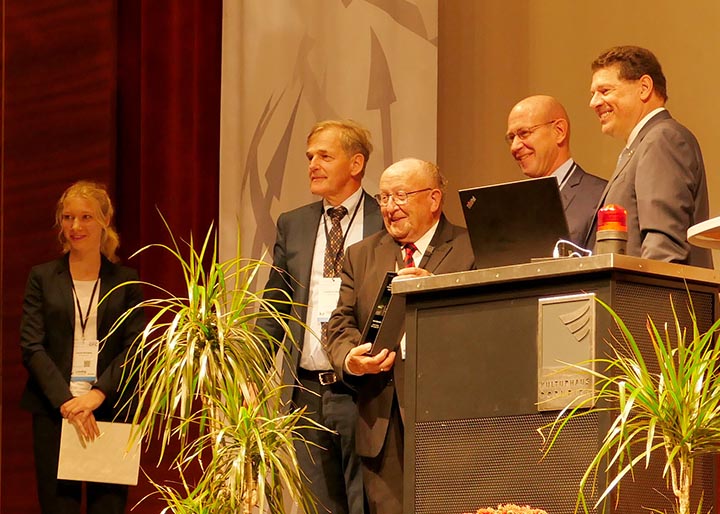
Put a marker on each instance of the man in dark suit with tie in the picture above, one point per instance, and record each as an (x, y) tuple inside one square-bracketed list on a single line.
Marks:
[(538, 133), (307, 257), (419, 241), (660, 176)]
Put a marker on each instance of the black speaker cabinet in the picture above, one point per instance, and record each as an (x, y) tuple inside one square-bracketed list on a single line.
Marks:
[(471, 390)]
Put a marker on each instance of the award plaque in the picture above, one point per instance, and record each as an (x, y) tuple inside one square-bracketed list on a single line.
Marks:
[(386, 312)]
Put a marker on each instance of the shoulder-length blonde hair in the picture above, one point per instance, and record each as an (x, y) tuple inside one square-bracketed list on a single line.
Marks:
[(109, 239)]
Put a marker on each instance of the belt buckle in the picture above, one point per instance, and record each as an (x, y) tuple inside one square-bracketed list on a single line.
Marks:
[(327, 377)]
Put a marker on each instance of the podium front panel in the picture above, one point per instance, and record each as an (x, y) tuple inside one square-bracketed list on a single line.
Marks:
[(471, 394)]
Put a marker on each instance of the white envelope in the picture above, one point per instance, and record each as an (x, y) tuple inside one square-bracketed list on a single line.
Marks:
[(105, 459)]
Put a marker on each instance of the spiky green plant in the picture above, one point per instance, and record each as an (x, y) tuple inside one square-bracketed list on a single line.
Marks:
[(675, 411), (205, 374)]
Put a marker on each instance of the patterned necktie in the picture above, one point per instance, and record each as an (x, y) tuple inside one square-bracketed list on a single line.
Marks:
[(410, 249), (333, 256), (334, 247)]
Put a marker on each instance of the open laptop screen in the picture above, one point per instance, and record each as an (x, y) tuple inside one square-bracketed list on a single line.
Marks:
[(514, 222)]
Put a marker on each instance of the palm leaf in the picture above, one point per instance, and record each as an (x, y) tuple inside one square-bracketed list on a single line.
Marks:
[(675, 411), (206, 376)]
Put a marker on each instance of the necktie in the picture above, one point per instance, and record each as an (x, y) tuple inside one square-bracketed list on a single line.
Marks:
[(409, 249), (334, 247), (623, 157), (333, 255)]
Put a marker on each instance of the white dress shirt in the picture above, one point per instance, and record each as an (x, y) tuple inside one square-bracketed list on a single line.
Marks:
[(313, 355)]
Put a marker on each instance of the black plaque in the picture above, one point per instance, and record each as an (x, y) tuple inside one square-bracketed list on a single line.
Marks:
[(377, 329)]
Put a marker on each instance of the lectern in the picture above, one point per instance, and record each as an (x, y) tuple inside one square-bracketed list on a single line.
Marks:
[(480, 345)]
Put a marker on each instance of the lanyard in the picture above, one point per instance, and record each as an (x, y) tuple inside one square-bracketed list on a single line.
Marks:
[(327, 234), (84, 319)]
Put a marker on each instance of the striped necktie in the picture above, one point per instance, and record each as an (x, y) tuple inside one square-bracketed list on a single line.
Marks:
[(409, 249)]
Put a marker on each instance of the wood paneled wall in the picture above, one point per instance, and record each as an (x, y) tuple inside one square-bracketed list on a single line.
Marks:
[(491, 54)]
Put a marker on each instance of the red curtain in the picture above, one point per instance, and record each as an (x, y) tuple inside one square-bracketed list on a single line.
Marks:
[(58, 126), (126, 92), (168, 132)]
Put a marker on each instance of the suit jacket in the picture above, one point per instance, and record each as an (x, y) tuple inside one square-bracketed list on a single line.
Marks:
[(580, 196), (365, 266), (292, 261), (661, 183), (48, 327)]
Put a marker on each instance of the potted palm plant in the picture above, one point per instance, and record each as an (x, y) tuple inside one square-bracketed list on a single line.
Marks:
[(667, 409), (205, 375)]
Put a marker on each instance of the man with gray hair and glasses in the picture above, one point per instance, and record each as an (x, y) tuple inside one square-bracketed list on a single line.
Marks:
[(419, 242)]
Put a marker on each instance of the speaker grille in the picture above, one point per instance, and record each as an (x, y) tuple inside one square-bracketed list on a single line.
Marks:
[(464, 465), (634, 303)]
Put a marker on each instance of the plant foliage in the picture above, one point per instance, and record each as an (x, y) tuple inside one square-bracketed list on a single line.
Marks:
[(675, 411), (206, 376)]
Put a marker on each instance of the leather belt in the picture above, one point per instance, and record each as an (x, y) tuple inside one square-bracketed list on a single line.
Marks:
[(323, 377)]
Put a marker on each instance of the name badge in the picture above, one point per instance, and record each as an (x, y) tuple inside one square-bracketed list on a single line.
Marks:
[(328, 294), (85, 359)]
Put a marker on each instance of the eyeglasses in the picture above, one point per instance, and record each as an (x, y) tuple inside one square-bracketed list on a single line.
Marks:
[(525, 133), (400, 198)]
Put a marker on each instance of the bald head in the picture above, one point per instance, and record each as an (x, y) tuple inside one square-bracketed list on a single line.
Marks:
[(542, 105), (539, 135)]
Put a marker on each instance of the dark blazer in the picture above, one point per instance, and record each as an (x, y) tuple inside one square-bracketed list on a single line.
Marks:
[(580, 196), (47, 330), (365, 266), (292, 261), (661, 183)]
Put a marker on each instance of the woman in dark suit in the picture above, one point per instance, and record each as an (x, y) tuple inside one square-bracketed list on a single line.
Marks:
[(75, 372)]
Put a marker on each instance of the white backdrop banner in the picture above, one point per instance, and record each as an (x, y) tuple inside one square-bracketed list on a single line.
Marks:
[(290, 63)]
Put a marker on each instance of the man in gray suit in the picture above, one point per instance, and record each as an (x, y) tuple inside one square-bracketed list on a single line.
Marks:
[(419, 241), (538, 133), (306, 268), (660, 175)]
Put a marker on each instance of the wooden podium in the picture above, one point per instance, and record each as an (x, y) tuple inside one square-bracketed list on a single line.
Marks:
[(478, 345)]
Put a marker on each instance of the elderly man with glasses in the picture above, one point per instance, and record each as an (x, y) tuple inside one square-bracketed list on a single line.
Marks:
[(538, 134), (419, 241)]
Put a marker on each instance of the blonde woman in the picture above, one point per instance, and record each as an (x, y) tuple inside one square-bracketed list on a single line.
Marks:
[(75, 373)]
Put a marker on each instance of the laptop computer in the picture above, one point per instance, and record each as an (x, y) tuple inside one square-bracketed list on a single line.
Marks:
[(514, 222)]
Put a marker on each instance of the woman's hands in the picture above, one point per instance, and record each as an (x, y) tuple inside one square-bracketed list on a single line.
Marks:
[(79, 412)]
